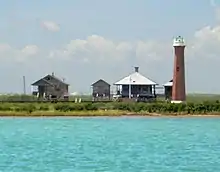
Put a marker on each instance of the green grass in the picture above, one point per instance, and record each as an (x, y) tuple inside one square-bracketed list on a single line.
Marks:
[(190, 97), (57, 113), (202, 97), (108, 109)]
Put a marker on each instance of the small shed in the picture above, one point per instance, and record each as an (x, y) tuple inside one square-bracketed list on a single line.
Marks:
[(168, 89), (101, 90), (51, 87)]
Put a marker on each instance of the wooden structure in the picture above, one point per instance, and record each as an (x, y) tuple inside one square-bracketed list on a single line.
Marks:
[(137, 87), (101, 90), (168, 90), (51, 88)]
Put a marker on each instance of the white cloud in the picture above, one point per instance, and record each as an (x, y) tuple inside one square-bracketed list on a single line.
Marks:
[(216, 9), (98, 48), (4, 48), (50, 26), (204, 43), (10, 53), (30, 50)]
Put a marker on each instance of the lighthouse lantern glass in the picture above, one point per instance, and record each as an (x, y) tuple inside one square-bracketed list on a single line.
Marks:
[(179, 41)]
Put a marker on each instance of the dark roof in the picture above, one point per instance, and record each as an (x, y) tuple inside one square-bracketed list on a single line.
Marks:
[(48, 82), (101, 80), (59, 80)]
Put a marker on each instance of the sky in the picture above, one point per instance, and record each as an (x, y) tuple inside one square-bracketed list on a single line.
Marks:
[(83, 41)]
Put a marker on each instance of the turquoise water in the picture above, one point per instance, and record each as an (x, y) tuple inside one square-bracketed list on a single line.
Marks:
[(132, 144)]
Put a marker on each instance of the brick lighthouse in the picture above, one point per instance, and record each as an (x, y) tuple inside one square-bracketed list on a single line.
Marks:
[(178, 89)]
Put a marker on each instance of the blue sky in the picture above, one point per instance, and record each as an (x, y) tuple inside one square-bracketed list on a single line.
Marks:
[(124, 19), (87, 40)]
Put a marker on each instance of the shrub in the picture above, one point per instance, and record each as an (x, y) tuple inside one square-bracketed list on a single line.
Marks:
[(123, 106), (156, 107), (5, 107), (92, 106), (77, 107), (24, 107), (62, 107), (29, 108), (44, 107), (65, 107)]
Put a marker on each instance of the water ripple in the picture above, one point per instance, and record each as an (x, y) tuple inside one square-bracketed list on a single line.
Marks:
[(109, 144)]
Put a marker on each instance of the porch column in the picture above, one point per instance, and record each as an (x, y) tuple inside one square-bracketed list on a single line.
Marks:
[(154, 91)]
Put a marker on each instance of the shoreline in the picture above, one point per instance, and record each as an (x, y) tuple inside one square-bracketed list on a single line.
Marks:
[(100, 114)]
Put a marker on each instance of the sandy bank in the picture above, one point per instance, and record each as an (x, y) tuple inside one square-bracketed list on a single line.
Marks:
[(99, 114)]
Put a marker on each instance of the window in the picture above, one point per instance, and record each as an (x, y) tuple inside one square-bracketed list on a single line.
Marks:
[(178, 68)]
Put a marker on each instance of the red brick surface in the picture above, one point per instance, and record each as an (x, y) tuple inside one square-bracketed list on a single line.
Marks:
[(179, 90)]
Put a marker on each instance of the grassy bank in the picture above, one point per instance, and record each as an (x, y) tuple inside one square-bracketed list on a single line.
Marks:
[(108, 109), (198, 98)]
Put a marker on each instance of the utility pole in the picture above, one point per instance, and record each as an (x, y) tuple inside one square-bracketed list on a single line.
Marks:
[(24, 85)]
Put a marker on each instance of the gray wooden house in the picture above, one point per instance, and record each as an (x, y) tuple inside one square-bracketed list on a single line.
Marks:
[(168, 89), (51, 87), (101, 90)]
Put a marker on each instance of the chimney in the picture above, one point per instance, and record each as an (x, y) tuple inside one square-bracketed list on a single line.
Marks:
[(52, 73), (136, 69)]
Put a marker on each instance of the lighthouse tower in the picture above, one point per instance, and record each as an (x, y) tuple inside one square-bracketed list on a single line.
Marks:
[(178, 89)]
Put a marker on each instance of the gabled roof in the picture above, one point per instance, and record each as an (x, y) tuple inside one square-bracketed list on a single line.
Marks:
[(58, 79), (168, 84), (135, 79), (45, 81), (100, 80)]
